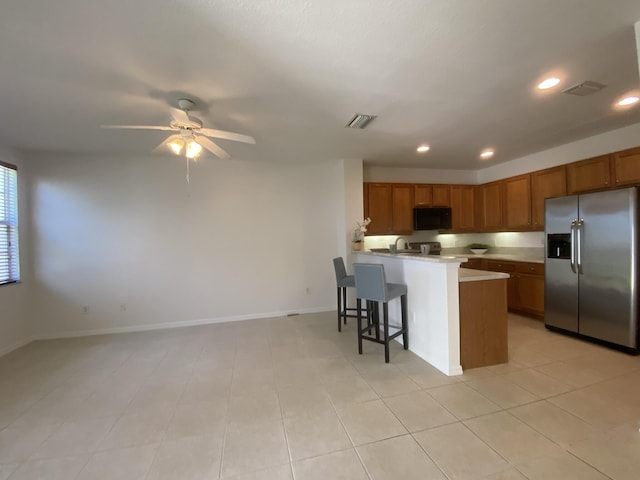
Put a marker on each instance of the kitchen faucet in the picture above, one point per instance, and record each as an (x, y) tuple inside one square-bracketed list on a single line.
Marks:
[(406, 243)]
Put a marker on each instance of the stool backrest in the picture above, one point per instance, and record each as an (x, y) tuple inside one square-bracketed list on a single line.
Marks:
[(371, 283), (341, 271)]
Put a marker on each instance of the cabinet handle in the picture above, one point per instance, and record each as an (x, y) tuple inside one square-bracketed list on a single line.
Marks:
[(532, 269), (606, 183), (617, 181)]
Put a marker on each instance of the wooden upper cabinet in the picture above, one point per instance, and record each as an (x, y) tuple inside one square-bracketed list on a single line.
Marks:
[(426, 195), (626, 167), (402, 208), (589, 175), (441, 196), (462, 208), (379, 209), (548, 183), (517, 202), (491, 209), (423, 195)]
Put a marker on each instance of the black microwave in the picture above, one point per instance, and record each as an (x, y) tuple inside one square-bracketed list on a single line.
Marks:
[(431, 218)]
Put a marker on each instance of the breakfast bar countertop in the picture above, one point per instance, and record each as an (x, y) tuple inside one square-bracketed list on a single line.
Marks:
[(503, 256), (470, 275)]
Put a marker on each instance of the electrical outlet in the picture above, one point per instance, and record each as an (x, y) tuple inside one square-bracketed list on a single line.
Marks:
[(85, 309), (123, 307), (308, 290)]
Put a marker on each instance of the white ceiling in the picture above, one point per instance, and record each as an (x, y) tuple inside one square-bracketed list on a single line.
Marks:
[(457, 74)]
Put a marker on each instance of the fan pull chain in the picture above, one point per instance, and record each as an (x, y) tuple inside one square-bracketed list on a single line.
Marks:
[(188, 183)]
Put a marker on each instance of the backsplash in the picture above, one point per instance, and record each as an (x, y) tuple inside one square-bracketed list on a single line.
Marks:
[(528, 242)]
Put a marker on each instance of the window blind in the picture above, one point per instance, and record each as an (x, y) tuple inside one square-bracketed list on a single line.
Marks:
[(9, 262)]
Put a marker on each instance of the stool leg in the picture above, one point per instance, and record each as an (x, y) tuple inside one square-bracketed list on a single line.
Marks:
[(344, 304), (359, 315), (405, 322), (385, 309), (377, 323), (339, 310)]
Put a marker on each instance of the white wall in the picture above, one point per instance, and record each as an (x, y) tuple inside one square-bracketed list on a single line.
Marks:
[(620, 139), (419, 175), (15, 330), (243, 240), (602, 144)]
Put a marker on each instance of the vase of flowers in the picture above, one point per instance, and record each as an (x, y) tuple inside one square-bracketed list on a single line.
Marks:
[(358, 234)]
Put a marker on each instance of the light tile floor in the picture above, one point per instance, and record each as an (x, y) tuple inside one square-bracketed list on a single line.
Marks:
[(289, 398)]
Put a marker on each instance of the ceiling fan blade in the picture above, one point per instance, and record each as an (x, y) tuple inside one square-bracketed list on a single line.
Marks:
[(179, 116), (236, 137), (212, 147), (140, 127), (163, 148)]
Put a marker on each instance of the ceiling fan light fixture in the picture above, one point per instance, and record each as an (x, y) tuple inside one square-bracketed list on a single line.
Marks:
[(193, 149), (176, 145)]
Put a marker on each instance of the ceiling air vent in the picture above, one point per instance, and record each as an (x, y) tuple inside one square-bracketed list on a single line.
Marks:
[(585, 88), (360, 120)]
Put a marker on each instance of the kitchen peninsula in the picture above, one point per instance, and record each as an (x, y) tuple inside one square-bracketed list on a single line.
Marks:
[(434, 307)]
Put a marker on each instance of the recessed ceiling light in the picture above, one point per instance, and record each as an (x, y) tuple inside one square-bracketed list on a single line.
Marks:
[(423, 148), (548, 83), (487, 154), (630, 100)]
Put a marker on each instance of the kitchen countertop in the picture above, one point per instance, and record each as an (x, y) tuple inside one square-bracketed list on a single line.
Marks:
[(460, 257), (470, 275), (419, 257)]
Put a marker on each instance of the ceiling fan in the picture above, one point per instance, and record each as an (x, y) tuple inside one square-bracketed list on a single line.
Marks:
[(191, 136)]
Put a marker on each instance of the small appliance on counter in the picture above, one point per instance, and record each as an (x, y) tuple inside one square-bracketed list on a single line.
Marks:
[(429, 248)]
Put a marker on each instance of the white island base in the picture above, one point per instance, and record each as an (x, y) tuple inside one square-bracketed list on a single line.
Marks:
[(433, 306)]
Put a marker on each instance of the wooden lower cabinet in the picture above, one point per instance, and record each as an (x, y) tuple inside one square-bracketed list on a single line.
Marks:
[(525, 286), (475, 264), (483, 323)]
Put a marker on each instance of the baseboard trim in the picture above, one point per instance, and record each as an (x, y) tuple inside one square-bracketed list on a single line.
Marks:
[(168, 325), (15, 346)]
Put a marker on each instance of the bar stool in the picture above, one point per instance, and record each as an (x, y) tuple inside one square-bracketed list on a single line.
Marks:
[(342, 282), (372, 286)]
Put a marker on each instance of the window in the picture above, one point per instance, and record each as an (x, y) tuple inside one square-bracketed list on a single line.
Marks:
[(9, 263)]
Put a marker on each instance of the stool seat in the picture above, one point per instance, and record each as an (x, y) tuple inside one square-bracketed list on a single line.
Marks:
[(372, 286)]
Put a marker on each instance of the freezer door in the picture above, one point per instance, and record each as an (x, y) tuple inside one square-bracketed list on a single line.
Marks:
[(608, 266), (561, 283)]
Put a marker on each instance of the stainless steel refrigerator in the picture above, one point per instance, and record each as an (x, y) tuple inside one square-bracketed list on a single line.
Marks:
[(591, 266)]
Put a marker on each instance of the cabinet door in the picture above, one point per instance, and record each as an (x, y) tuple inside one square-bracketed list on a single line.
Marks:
[(548, 183), (379, 209), (402, 208), (512, 290), (441, 196), (365, 200), (626, 166), (517, 202), (530, 294), (462, 208), (588, 175), (475, 264), (492, 213), (423, 195)]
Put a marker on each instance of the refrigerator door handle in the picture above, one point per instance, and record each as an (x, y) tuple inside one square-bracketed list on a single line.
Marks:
[(579, 226), (572, 258)]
